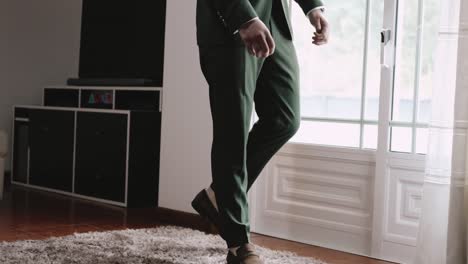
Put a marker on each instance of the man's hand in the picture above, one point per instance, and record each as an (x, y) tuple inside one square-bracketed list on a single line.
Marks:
[(322, 32), (257, 38)]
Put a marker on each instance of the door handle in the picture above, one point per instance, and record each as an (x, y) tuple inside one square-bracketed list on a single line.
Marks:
[(385, 38)]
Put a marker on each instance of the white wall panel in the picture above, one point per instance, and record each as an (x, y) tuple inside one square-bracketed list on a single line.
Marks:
[(404, 205), (318, 195)]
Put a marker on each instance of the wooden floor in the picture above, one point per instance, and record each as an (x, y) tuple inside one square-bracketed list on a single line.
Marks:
[(31, 214)]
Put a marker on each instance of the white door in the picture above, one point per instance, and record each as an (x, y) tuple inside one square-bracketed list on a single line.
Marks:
[(351, 178)]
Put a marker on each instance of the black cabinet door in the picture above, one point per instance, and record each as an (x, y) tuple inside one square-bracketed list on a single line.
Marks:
[(101, 147), (21, 151), (51, 148)]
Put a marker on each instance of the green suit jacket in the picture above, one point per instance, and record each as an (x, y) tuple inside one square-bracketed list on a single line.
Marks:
[(217, 20)]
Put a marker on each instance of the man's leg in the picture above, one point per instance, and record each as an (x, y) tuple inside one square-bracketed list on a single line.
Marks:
[(276, 103), (231, 74)]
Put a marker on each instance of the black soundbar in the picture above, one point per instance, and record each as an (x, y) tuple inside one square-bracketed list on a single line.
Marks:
[(110, 82)]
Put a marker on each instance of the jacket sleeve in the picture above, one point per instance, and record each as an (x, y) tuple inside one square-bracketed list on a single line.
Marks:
[(308, 5), (234, 13)]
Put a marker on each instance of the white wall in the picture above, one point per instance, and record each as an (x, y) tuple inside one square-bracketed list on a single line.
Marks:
[(39, 45), (187, 130)]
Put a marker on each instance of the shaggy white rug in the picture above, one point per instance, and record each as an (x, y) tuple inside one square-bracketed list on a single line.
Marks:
[(166, 244)]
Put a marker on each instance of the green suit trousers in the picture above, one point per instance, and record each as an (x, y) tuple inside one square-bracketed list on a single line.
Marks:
[(238, 81)]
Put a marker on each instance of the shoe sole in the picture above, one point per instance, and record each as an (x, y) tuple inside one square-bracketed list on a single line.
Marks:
[(202, 211)]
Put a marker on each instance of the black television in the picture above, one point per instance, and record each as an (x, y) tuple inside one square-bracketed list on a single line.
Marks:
[(122, 43)]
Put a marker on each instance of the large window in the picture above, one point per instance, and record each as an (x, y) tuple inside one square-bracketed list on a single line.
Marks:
[(340, 82)]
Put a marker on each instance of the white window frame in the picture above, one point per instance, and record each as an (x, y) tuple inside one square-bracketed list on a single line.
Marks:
[(389, 85)]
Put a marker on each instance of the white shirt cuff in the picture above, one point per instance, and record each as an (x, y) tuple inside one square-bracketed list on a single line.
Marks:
[(235, 32), (318, 7)]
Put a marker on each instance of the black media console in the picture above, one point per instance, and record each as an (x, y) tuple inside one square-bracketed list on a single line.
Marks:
[(98, 143)]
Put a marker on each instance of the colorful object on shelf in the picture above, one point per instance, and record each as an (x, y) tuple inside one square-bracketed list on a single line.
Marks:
[(100, 98)]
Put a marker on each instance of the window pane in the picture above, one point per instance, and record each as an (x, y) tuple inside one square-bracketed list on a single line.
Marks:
[(328, 133), (331, 75), (370, 136), (401, 139), (373, 60), (422, 137), (430, 32), (405, 67)]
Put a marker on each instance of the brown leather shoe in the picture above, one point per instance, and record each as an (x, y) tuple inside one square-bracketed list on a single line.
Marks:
[(205, 208), (246, 254)]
